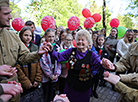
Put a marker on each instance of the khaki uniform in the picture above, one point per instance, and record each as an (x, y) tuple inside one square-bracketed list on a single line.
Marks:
[(12, 50), (129, 94), (129, 62)]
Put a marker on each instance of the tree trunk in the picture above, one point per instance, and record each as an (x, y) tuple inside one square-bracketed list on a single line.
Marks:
[(104, 6)]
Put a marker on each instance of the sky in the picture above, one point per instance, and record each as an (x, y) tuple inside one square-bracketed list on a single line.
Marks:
[(114, 6)]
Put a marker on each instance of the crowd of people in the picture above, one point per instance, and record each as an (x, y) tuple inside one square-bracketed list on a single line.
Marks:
[(66, 64)]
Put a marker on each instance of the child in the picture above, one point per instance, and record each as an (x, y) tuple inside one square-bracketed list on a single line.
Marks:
[(29, 74), (94, 37), (64, 71), (50, 68), (67, 42), (103, 53), (62, 35)]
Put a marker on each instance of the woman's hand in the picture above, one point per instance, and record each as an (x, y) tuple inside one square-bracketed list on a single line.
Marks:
[(45, 48), (109, 47), (107, 64)]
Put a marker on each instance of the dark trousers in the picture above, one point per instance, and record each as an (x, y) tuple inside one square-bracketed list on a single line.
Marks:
[(62, 83), (48, 89), (95, 82), (117, 58)]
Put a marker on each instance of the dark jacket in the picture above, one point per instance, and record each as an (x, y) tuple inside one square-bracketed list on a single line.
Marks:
[(104, 53), (37, 39)]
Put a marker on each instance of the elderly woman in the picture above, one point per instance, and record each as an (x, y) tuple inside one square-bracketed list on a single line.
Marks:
[(81, 61)]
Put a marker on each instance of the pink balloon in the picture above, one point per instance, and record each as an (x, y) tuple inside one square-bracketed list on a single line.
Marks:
[(114, 22), (48, 22), (73, 23), (18, 24), (97, 17), (89, 22), (86, 13)]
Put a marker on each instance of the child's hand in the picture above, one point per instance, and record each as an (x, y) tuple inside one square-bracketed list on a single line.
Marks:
[(35, 84), (30, 86), (55, 77)]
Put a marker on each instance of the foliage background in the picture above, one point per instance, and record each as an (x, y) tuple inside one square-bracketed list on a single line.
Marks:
[(62, 10)]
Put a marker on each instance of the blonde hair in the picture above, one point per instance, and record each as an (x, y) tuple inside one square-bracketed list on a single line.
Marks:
[(84, 33)]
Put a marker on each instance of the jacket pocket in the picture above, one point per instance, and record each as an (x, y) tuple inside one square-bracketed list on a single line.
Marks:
[(14, 52)]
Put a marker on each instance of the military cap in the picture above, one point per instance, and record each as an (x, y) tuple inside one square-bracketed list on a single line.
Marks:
[(4, 3)]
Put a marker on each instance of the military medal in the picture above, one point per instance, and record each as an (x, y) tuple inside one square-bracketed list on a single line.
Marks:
[(73, 53), (87, 66), (70, 61), (83, 65), (75, 60)]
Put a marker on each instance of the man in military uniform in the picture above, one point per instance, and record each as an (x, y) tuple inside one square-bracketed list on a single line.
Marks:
[(11, 47)]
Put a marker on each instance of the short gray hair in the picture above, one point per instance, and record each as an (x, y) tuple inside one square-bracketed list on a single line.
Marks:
[(84, 33)]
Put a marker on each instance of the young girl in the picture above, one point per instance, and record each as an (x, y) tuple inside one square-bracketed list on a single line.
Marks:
[(103, 31), (67, 42), (64, 71), (62, 35), (102, 54), (94, 37), (29, 74), (50, 68)]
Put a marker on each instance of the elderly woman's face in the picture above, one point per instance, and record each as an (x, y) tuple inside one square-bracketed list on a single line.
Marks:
[(82, 43)]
